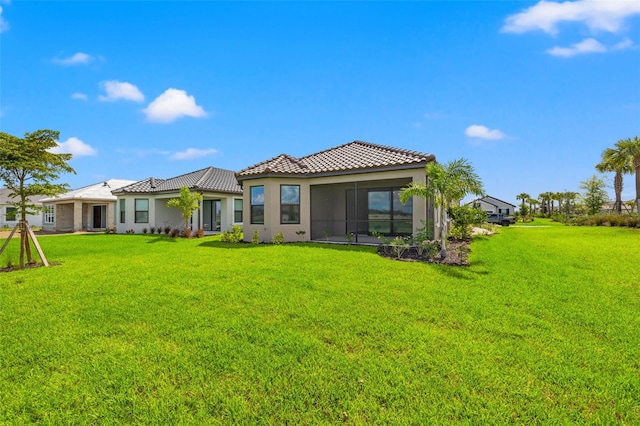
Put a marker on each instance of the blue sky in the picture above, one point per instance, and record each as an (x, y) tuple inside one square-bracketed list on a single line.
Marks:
[(530, 92)]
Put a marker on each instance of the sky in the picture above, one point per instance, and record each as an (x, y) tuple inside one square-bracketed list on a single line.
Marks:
[(529, 92)]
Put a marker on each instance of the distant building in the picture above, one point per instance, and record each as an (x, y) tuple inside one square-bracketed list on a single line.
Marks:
[(88, 208), (493, 205), (9, 212)]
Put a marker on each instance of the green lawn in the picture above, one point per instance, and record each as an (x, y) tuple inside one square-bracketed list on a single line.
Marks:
[(543, 327)]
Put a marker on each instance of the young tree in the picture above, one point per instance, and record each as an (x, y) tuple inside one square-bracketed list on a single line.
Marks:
[(595, 194), (186, 203), (445, 184), (28, 168), (631, 147), (523, 207), (618, 161)]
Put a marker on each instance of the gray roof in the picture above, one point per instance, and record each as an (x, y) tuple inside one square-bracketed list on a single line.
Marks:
[(355, 156), (209, 179), (98, 191), (5, 199), (491, 200)]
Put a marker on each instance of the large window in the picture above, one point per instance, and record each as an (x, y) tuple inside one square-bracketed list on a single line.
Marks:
[(257, 204), (123, 216), (237, 211), (387, 215), (49, 214), (11, 213), (142, 210), (289, 204)]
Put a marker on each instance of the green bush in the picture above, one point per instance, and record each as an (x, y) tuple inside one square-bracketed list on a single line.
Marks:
[(255, 239), (278, 238), (233, 236)]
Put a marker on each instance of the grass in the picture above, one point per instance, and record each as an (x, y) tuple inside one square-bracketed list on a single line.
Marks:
[(541, 328)]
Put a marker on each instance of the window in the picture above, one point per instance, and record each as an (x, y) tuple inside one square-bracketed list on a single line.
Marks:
[(289, 204), (48, 214), (142, 210), (11, 213), (123, 216), (257, 204), (237, 211), (387, 215)]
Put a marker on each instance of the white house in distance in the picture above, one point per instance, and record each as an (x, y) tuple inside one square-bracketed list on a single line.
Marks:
[(8, 211), (143, 205), (89, 208), (493, 205)]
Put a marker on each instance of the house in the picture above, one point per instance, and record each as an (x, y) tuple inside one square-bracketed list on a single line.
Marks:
[(346, 193), (493, 205), (8, 211), (143, 205), (88, 208)]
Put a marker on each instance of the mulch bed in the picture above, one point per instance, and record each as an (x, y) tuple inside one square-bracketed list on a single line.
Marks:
[(457, 254)]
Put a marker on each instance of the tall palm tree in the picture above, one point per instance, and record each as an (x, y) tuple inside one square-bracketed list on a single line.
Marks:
[(569, 197), (445, 184), (533, 203), (559, 197), (631, 147), (524, 197), (616, 160), (545, 197)]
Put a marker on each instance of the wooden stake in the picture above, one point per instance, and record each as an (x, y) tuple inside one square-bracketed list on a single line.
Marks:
[(6, 243), (35, 243)]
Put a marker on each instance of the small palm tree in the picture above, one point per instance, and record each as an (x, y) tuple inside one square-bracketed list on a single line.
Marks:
[(631, 148), (616, 160), (523, 208), (187, 202), (445, 184), (545, 197)]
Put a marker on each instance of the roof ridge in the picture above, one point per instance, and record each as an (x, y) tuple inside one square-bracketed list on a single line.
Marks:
[(207, 172)]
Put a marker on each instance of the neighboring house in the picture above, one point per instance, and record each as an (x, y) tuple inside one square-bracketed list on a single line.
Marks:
[(88, 208), (143, 205), (8, 211), (346, 193), (493, 205)]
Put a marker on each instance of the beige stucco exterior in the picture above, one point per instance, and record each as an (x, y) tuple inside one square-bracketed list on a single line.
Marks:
[(272, 225)]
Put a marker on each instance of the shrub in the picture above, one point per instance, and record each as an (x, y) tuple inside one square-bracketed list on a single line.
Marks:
[(350, 236), (111, 230), (186, 233), (255, 239), (233, 236), (199, 233), (167, 230), (399, 245), (278, 238), (152, 230), (463, 218), (130, 231), (173, 233), (159, 230), (300, 234), (145, 230)]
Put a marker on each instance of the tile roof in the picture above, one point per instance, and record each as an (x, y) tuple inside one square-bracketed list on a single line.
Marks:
[(97, 191), (353, 156), (208, 179)]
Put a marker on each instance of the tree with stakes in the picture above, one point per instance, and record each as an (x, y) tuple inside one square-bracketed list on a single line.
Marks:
[(28, 168)]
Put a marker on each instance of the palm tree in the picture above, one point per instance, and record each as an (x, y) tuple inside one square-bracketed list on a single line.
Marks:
[(631, 147), (558, 196), (569, 197), (616, 160), (533, 203), (545, 197), (445, 184), (524, 197)]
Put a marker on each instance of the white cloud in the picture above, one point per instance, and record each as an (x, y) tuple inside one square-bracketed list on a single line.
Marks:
[(192, 153), (483, 132), (589, 45), (80, 96), (597, 15), (74, 146), (76, 59), (171, 105), (624, 44), (4, 25), (120, 90)]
